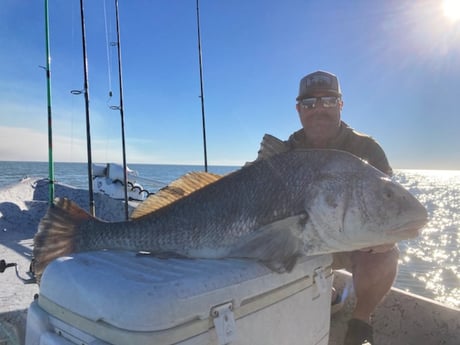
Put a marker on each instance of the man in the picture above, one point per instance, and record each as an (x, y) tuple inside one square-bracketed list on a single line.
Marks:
[(319, 105)]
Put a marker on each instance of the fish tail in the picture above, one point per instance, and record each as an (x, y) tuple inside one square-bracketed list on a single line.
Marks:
[(57, 233)]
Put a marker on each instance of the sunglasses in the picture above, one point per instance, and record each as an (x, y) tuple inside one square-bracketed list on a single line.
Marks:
[(326, 101)]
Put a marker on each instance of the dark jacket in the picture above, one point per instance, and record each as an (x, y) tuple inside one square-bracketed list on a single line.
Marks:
[(349, 140)]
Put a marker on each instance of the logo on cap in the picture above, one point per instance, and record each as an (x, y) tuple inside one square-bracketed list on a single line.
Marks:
[(319, 81)]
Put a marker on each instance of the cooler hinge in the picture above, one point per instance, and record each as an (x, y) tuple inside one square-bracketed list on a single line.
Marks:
[(224, 322), (320, 279)]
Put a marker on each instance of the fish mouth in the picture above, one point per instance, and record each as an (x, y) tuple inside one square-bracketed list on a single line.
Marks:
[(410, 229)]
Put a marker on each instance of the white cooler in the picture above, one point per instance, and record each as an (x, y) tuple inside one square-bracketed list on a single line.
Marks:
[(110, 297)]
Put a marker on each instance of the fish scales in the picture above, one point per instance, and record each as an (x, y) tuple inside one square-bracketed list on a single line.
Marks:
[(215, 215)]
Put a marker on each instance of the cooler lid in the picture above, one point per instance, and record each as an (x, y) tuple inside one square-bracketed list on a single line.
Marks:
[(144, 293)]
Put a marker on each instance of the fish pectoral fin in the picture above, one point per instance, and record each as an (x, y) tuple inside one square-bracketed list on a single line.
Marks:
[(275, 245)]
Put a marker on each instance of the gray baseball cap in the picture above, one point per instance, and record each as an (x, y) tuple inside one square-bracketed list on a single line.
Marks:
[(319, 81)]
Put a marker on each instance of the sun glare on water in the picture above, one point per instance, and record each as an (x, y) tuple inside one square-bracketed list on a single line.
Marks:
[(451, 9)]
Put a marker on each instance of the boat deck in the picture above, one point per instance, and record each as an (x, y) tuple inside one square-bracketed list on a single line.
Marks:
[(402, 319)]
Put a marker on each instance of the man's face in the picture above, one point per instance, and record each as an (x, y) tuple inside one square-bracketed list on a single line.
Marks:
[(320, 117)]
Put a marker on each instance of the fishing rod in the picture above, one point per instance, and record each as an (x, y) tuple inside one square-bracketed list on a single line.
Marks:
[(85, 91), (120, 107), (201, 86), (50, 127)]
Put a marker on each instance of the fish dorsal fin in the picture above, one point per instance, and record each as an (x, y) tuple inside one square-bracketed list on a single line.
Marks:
[(176, 190)]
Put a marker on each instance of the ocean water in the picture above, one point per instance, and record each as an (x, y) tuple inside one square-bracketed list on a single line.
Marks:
[(429, 265)]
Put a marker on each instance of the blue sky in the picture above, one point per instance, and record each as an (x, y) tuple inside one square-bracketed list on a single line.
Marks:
[(397, 61)]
